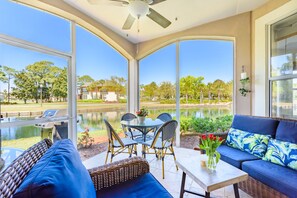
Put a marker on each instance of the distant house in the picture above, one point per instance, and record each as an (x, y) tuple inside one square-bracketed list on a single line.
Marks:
[(84, 94)]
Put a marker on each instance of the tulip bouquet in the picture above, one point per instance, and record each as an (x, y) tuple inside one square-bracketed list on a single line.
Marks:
[(210, 143)]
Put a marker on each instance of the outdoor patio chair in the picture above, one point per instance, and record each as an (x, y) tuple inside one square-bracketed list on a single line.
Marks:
[(117, 145), (129, 132), (164, 117), (162, 142)]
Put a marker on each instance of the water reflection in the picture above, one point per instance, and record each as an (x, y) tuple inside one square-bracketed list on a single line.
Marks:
[(94, 121)]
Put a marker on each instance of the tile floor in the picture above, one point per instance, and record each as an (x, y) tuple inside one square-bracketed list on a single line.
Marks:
[(173, 177)]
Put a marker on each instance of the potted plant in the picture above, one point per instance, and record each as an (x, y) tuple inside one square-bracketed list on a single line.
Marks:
[(141, 114)]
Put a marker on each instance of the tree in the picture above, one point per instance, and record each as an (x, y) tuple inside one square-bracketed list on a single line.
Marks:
[(60, 85), (209, 88), (25, 86), (9, 74), (167, 90), (41, 72), (150, 90), (85, 79), (219, 85), (189, 86)]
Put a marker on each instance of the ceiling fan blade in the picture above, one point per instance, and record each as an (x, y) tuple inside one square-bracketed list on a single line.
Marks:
[(156, 2), (158, 18), (121, 1), (109, 2), (129, 22)]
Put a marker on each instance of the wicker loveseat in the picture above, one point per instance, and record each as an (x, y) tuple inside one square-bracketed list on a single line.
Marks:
[(43, 163), (266, 179)]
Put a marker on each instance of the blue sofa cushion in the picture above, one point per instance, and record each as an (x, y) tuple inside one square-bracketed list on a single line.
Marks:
[(59, 173), (278, 177), (282, 153), (234, 156), (287, 131), (145, 186), (265, 126)]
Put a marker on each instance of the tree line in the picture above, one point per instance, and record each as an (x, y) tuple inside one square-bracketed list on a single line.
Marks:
[(45, 78), (41, 77), (191, 89)]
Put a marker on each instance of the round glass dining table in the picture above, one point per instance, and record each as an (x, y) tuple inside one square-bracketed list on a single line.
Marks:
[(144, 127)]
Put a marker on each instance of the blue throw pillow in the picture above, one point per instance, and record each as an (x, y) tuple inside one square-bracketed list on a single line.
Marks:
[(252, 143), (59, 173), (234, 138), (255, 144), (282, 153)]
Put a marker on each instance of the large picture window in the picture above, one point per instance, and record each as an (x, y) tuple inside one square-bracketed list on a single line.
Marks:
[(34, 85), (283, 68)]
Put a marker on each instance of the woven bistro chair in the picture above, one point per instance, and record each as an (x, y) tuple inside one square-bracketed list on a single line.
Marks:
[(129, 132), (117, 145), (164, 117), (162, 142)]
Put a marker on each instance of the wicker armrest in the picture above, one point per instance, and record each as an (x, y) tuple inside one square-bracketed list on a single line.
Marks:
[(118, 172)]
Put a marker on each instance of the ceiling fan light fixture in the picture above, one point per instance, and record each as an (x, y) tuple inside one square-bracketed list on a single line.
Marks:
[(138, 8)]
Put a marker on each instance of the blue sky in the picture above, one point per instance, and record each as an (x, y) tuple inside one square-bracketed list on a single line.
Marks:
[(211, 59)]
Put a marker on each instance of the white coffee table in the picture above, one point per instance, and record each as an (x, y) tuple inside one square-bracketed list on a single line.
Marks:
[(223, 176)]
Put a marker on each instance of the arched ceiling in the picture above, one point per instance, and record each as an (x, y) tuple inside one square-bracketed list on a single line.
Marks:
[(183, 14)]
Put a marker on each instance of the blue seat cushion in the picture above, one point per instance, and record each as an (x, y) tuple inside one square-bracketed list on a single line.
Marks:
[(145, 186), (278, 177), (59, 173), (252, 124), (287, 131), (234, 156)]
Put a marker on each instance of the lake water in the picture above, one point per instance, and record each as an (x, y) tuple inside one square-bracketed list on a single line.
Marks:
[(94, 120)]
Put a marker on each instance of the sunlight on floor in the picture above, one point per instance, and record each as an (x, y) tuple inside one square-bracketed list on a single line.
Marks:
[(173, 177)]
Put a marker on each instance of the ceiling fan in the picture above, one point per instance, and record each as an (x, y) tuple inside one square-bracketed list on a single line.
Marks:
[(137, 9)]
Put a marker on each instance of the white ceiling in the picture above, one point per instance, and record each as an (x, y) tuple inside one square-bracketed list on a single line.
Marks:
[(189, 13)]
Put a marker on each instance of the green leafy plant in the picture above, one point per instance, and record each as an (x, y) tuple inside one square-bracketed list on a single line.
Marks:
[(243, 90), (204, 125), (142, 112), (185, 124)]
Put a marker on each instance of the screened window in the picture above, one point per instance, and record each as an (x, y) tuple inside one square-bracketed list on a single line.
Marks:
[(283, 67)]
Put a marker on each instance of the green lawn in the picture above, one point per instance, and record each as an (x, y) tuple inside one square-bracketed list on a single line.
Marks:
[(22, 143)]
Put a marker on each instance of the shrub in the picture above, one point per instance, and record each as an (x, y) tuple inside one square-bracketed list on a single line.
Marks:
[(204, 125), (185, 124)]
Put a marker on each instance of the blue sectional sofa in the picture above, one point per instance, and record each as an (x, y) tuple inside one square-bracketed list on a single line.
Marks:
[(266, 179), (47, 170)]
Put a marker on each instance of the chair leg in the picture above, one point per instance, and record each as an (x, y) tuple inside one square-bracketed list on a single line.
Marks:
[(162, 156), (112, 154), (156, 152), (171, 148), (135, 149), (108, 150), (129, 151), (143, 151)]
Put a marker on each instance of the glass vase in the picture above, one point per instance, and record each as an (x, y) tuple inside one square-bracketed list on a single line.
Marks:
[(211, 162)]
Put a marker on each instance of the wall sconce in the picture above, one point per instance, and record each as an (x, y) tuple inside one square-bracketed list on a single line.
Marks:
[(244, 81)]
